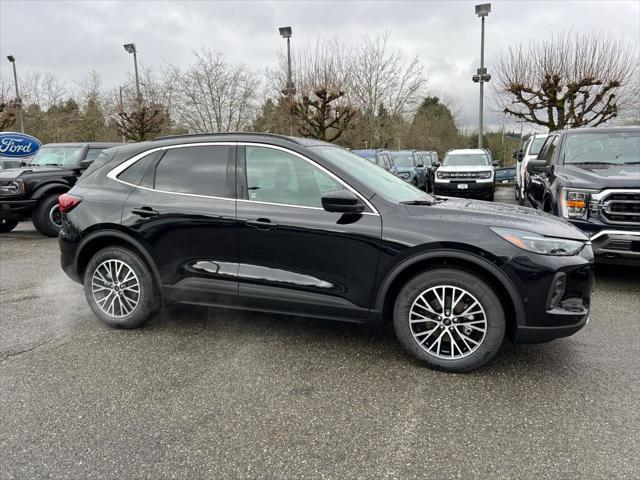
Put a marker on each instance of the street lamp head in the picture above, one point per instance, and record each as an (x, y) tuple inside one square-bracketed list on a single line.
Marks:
[(483, 10), (285, 32), (11, 58), (130, 47)]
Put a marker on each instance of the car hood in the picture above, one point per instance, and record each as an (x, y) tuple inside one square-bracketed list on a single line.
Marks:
[(489, 214), (404, 169), (601, 176), (18, 172), (465, 168)]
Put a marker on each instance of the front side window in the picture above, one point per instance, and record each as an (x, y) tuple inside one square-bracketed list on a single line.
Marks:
[(403, 160), (548, 149), (384, 183), (274, 176), (195, 170), (536, 145), (58, 156), (93, 153)]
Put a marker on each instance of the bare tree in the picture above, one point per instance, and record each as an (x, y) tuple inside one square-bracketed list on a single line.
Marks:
[(568, 81), (214, 96), (41, 89), (320, 117), (143, 122)]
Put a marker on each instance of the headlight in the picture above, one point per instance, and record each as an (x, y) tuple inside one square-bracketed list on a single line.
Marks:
[(574, 203), (484, 175), (533, 242), (439, 175), (14, 187)]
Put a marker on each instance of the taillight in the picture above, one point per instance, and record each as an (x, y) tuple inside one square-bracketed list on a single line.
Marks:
[(67, 202)]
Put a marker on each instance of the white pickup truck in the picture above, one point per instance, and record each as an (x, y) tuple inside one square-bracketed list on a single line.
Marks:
[(529, 151)]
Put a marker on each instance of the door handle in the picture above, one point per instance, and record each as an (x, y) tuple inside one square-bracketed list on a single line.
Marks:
[(145, 212), (261, 223)]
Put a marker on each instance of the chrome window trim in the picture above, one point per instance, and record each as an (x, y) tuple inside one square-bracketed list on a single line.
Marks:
[(113, 173), (614, 232)]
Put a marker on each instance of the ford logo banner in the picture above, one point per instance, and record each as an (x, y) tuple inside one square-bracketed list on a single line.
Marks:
[(18, 145)]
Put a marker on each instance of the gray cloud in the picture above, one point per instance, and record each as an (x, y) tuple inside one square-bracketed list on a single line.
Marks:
[(69, 38)]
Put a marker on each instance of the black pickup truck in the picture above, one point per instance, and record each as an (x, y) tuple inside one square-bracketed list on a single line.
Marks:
[(33, 190), (591, 177)]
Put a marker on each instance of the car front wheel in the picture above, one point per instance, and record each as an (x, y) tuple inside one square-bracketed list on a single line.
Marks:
[(119, 288), (449, 319), (46, 216)]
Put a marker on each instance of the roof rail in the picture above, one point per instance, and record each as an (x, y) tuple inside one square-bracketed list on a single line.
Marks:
[(216, 134)]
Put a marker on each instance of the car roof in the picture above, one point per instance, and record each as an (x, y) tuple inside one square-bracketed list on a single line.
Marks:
[(581, 130), (84, 144), (467, 151), (367, 152)]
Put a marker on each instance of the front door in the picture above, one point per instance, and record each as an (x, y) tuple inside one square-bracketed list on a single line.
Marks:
[(294, 256), (183, 209), (539, 182)]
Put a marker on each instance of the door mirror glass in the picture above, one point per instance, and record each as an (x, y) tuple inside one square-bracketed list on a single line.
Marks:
[(341, 201)]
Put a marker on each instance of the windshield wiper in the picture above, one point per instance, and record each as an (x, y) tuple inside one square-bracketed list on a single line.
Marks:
[(630, 163), (593, 163), (417, 202)]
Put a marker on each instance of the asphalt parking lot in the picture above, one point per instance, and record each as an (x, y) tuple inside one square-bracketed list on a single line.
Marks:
[(208, 393)]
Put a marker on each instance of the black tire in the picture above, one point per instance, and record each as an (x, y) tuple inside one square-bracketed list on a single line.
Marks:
[(45, 214), (517, 194), (7, 225), (476, 356), (491, 197), (148, 298)]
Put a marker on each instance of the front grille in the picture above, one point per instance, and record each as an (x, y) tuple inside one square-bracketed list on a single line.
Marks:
[(619, 245), (464, 175), (622, 208)]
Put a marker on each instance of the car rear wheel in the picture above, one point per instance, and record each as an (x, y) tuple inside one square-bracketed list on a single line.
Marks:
[(119, 288), (7, 225), (47, 217), (449, 319)]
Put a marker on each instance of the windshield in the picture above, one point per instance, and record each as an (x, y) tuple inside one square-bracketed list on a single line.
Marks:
[(58, 156), (603, 147), (465, 159), (403, 160), (377, 179), (536, 145)]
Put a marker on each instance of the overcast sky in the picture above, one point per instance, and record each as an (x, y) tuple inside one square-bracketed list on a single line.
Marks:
[(70, 38)]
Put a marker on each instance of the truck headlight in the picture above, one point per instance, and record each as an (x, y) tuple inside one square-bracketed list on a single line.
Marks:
[(440, 175), (536, 243), (14, 187), (484, 175), (574, 203)]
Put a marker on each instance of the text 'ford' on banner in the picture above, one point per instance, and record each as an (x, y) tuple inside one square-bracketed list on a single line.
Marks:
[(13, 144)]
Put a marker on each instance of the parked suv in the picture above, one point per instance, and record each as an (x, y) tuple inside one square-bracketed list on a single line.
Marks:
[(591, 177), (381, 158), (466, 173), (299, 226), (33, 190), (410, 167), (529, 151)]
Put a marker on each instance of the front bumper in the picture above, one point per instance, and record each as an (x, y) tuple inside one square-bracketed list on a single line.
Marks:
[(473, 190), (612, 244), (16, 209), (547, 316)]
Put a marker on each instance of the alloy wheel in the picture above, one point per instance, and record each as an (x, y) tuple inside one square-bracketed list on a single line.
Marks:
[(55, 216), (448, 322), (115, 288)]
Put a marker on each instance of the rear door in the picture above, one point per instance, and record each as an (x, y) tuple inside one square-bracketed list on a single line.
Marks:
[(183, 209), (295, 256)]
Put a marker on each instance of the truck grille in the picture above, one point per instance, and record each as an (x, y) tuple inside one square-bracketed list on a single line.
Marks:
[(622, 208)]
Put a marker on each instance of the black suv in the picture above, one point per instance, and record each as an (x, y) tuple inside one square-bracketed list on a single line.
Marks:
[(33, 190), (591, 176), (299, 226)]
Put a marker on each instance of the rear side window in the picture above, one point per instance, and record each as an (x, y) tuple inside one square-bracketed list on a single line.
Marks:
[(93, 153), (195, 170), (548, 149), (135, 172)]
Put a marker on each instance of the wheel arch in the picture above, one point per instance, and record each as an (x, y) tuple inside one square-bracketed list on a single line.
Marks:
[(108, 238), (403, 272), (44, 190)]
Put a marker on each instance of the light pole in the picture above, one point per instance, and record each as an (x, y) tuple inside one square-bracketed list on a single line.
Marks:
[(131, 48), (482, 75), (290, 89), (12, 59)]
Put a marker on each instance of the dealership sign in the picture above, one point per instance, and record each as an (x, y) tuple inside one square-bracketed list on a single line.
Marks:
[(18, 145)]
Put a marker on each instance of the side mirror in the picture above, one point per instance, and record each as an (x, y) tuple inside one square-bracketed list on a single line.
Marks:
[(341, 201), (495, 163), (436, 164), (537, 166), (518, 155), (85, 164)]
